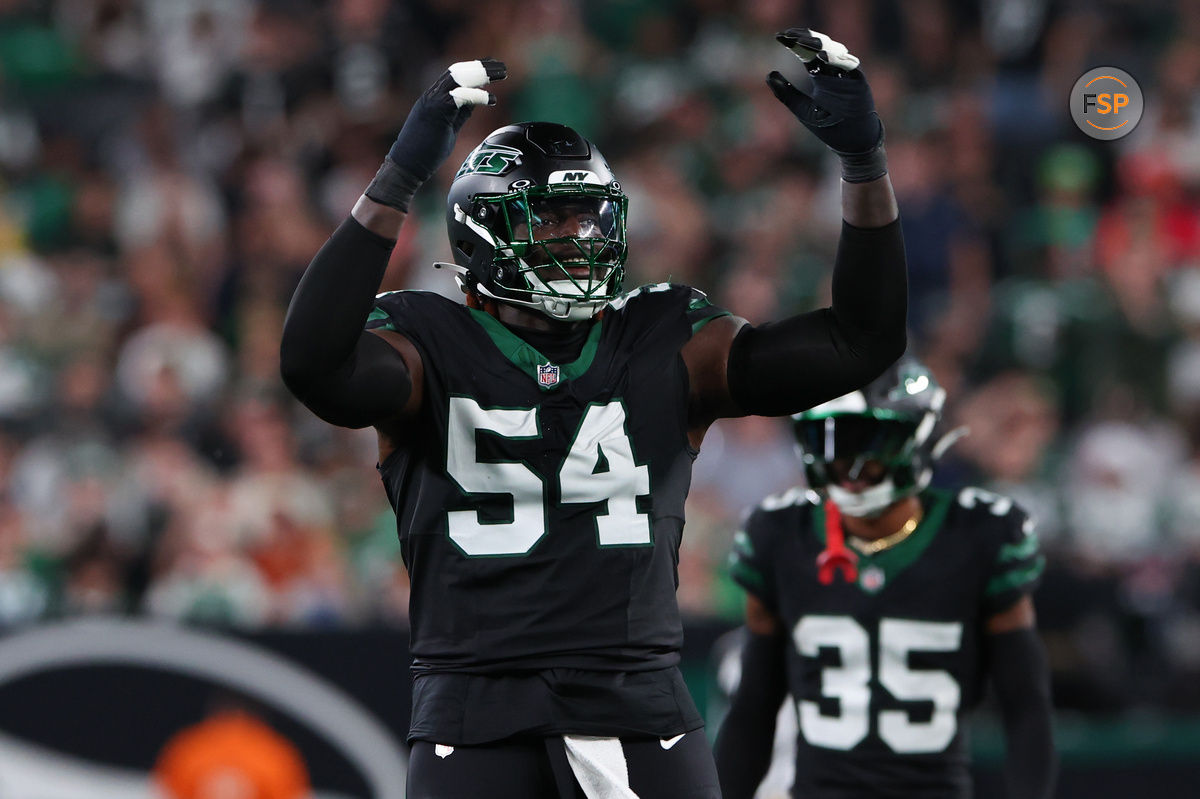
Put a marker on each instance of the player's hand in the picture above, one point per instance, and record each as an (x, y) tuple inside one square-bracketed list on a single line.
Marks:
[(427, 137), (428, 134), (840, 112)]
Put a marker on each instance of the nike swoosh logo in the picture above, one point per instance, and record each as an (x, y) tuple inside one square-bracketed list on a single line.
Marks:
[(667, 743)]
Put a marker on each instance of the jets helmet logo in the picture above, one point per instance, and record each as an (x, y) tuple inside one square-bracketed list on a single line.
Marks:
[(489, 159)]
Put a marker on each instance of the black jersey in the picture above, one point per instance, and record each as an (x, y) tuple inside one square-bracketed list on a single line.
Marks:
[(540, 505), (884, 671)]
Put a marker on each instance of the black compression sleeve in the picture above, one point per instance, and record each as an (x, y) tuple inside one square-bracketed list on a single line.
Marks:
[(346, 375), (784, 367), (746, 741), (1019, 671)]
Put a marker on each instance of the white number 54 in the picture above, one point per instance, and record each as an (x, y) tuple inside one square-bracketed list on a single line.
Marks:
[(600, 438)]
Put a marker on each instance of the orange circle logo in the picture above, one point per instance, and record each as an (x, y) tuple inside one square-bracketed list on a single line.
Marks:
[(1106, 103)]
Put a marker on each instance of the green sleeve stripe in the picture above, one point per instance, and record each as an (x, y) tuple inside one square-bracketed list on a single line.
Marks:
[(1016, 578), (1025, 548), (746, 575), (699, 323)]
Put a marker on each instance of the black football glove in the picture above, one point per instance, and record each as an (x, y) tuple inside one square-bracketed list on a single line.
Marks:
[(428, 134), (841, 111)]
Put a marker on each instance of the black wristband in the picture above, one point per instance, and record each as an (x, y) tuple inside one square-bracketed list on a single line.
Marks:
[(864, 167), (393, 186)]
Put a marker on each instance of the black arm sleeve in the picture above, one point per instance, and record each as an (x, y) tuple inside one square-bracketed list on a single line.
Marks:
[(746, 740), (1022, 680), (784, 367), (345, 375)]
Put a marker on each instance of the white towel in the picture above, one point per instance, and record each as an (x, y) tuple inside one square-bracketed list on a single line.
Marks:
[(599, 765)]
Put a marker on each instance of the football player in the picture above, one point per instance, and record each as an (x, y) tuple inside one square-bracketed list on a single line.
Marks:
[(536, 442), (882, 607)]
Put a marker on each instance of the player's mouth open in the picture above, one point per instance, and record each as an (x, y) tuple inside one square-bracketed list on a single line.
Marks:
[(553, 265)]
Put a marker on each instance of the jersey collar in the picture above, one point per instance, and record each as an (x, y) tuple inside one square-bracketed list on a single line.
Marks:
[(526, 358), (895, 560)]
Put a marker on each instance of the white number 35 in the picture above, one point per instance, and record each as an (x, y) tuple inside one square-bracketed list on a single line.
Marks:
[(849, 683)]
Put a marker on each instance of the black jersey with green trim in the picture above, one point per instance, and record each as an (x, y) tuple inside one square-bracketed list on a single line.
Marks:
[(884, 671), (540, 505)]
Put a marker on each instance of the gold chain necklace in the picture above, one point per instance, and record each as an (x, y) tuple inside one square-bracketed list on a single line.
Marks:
[(888, 541)]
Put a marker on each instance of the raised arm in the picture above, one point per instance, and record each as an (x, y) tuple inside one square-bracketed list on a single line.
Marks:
[(347, 375), (783, 367)]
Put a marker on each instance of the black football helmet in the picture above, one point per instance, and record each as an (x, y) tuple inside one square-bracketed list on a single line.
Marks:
[(537, 218), (891, 420)]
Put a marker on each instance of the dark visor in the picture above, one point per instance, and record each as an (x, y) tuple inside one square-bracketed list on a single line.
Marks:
[(853, 436)]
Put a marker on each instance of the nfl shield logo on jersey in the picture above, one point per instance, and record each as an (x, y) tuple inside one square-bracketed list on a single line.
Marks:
[(872, 579), (547, 375)]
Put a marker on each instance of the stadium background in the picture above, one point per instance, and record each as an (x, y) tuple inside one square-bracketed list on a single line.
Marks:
[(168, 167)]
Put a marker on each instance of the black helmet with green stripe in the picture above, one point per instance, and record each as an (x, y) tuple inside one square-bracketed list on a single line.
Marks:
[(536, 218), (872, 447)]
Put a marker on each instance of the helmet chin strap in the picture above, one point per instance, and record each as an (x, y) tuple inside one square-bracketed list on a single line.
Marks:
[(566, 310), (873, 501), (560, 309), (563, 306)]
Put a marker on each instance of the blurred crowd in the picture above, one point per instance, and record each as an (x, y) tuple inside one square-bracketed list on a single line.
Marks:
[(168, 167)]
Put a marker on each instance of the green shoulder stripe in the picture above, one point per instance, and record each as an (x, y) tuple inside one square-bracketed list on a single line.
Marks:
[(700, 311), (1020, 550), (742, 545), (380, 315), (746, 575), (1015, 578)]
